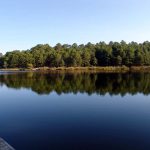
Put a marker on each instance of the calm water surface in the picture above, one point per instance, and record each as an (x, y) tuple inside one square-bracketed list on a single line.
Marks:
[(41, 111)]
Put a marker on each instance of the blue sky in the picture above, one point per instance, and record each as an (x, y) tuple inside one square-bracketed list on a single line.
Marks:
[(26, 23)]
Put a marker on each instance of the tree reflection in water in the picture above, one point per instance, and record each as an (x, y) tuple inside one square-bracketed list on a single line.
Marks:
[(90, 83)]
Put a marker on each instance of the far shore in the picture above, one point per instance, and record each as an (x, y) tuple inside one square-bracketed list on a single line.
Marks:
[(108, 69)]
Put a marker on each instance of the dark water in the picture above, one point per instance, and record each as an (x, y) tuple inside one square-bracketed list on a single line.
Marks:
[(40, 111)]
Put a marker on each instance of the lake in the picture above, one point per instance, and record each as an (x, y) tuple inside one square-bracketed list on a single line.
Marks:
[(75, 111)]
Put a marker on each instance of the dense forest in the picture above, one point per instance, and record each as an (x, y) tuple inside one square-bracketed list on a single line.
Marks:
[(90, 83), (100, 54)]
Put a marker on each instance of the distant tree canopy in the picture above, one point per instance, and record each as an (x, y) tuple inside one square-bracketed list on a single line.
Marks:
[(100, 54)]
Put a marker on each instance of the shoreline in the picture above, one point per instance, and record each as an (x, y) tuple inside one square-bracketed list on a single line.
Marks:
[(117, 69)]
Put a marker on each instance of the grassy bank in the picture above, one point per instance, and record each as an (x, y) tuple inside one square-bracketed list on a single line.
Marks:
[(140, 69), (65, 69), (91, 69), (85, 69)]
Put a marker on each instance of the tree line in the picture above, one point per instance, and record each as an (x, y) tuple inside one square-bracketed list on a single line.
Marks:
[(100, 54)]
